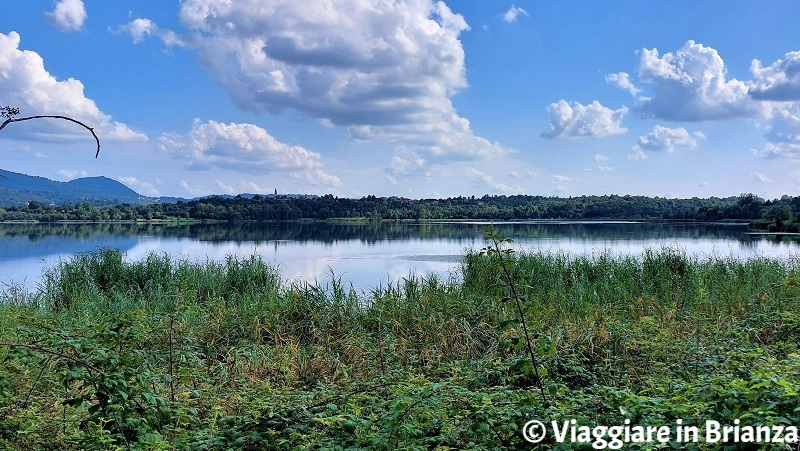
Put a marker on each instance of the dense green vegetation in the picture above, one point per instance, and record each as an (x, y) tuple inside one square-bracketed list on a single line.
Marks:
[(169, 354), (366, 231), (746, 207)]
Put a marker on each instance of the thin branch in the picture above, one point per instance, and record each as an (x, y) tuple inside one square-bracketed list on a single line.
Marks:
[(513, 287), (11, 119)]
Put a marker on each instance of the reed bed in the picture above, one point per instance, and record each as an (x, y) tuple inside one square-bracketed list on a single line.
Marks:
[(164, 353)]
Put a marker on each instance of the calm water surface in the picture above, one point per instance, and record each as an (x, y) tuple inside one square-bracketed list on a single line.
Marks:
[(366, 255)]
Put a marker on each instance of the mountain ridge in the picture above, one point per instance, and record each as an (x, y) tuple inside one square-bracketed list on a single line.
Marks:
[(19, 189)]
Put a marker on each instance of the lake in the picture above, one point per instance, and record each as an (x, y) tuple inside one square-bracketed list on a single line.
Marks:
[(364, 254)]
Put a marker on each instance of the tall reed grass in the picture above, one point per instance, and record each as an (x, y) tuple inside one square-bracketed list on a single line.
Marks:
[(579, 300), (216, 336)]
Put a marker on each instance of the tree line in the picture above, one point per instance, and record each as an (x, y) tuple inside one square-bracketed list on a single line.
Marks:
[(776, 215)]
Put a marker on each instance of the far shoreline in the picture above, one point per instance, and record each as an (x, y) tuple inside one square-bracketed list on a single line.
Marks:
[(736, 222)]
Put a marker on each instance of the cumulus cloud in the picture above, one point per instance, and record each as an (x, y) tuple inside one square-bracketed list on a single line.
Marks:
[(773, 150), (556, 179), (450, 138), (760, 178), (487, 181), (383, 70), (141, 29), (189, 189), (67, 15), (316, 177), (600, 161), (783, 133), (623, 81), (140, 186), (665, 139), (584, 120), (25, 83), (407, 163), (692, 85), (245, 148), (784, 127), (69, 174), (778, 81), (513, 13), (227, 189)]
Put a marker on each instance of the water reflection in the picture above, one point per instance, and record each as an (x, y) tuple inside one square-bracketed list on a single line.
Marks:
[(366, 254)]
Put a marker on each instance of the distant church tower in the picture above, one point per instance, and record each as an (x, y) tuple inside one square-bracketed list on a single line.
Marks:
[(276, 193)]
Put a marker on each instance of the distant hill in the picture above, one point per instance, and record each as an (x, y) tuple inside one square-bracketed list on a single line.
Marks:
[(105, 185), (19, 189)]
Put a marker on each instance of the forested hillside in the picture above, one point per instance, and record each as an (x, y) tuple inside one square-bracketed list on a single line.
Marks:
[(779, 214)]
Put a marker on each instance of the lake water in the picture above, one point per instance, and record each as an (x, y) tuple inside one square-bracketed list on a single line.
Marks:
[(364, 254)]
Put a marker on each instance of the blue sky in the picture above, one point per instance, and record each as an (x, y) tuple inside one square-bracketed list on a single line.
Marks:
[(409, 98)]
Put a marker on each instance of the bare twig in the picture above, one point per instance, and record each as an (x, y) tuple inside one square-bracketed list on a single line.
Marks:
[(66, 118)]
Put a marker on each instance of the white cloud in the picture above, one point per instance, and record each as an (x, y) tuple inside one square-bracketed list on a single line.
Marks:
[(488, 181), (702, 184), (600, 160), (445, 139), (692, 85), (251, 187), (638, 154), (193, 191), (555, 179), (760, 178), (141, 29), (227, 189), (622, 80), (785, 126), (778, 81), (513, 13), (67, 15), (513, 174), (783, 133), (384, 70), (246, 148), (584, 120), (664, 138), (69, 175), (316, 177), (773, 150), (407, 163), (26, 84), (140, 186)]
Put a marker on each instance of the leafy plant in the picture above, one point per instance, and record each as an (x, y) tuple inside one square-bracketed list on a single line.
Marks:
[(505, 263)]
